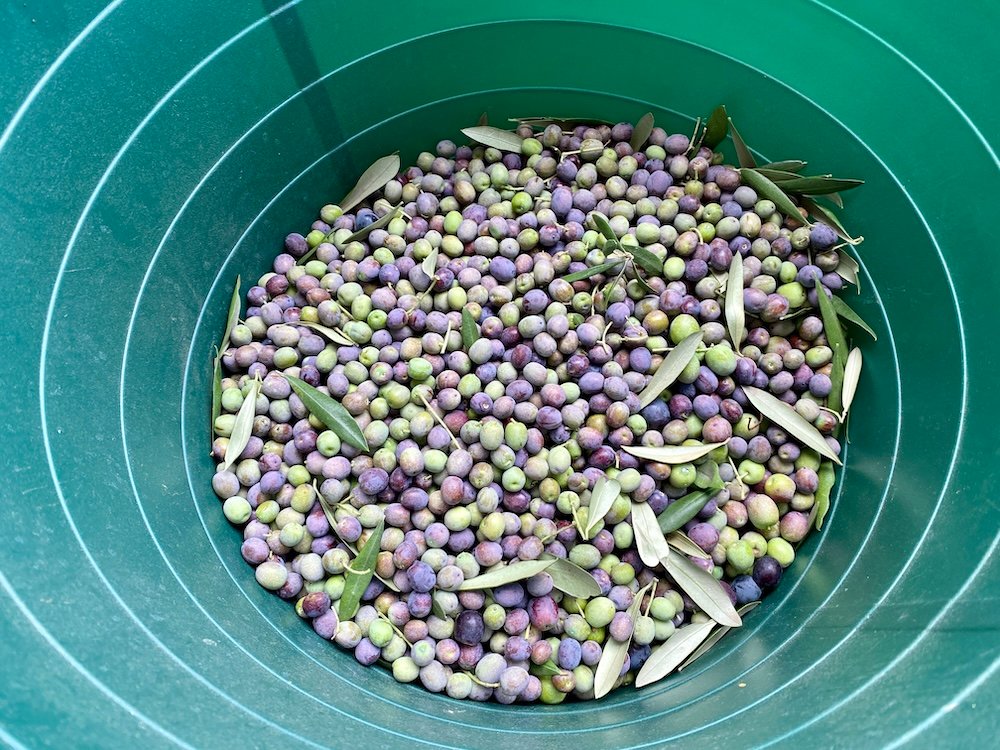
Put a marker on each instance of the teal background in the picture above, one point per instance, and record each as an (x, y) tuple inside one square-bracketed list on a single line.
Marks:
[(151, 151)]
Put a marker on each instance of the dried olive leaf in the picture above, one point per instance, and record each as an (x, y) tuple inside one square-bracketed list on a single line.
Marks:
[(470, 331), (502, 140), (330, 334), (243, 426), (852, 373), (374, 178), (380, 223), (681, 542), (356, 579), (703, 590), (571, 579), (232, 319), (329, 412), (768, 189), (717, 127), (715, 637), (604, 494), (669, 370), (789, 420), (682, 510), (505, 574), (665, 657), (586, 273), (847, 313), (819, 185), (609, 668), (743, 155), (429, 264), (735, 314), (641, 131), (649, 540), (789, 165), (671, 454), (827, 477)]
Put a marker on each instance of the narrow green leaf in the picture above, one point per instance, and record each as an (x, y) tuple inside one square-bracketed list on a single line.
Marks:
[(605, 492), (847, 313), (429, 264), (330, 413), (824, 214), (548, 669), (649, 540), (602, 225), (777, 175), (330, 334), (649, 262), (838, 343), (216, 393), (819, 185), (609, 668), (717, 127), (743, 155), (681, 542), (715, 637), (827, 478), (496, 138), (836, 200), (357, 579), (852, 373), (571, 579), (379, 223), (789, 165), (669, 370), (470, 331), (735, 313), (767, 189), (374, 178), (707, 475), (586, 273), (483, 120), (232, 319), (504, 574), (437, 609), (641, 131), (671, 454), (703, 590), (682, 510), (785, 417), (243, 426), (665, 657)]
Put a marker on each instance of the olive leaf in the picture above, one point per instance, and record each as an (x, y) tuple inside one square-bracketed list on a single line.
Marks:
[(682, 510), (437, 609), (609, 668), (665, 657), (429, 264), (496, 138), (231, 320), (827, 478), (330, 334), (504, 574), (586, 273), (329, 412), (743, 155), (470, 331), (735, 314), (641, 131), (603, 226), (669, 370), (717, 127), (767, 189), (483, 120), (243, 426), (789, 165), (683, 544), (838, 343), (379, 223), (649, 540), (548, 669), (852, 373), (777, 175), (785, 417), (702, 588), (707, 475), (649, 262), (848, 269), (824, 214), (216, 394), (672, 454), (847, 313), (715, 637), (819, 185), (602, 497), (571, 579), (372, 179), (359, 575), (835, 199)]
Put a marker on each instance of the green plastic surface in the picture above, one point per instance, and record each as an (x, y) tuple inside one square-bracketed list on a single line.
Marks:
[(150, 151)]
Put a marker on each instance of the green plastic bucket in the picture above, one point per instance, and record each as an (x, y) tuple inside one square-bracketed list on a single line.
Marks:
[(150, 151)]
